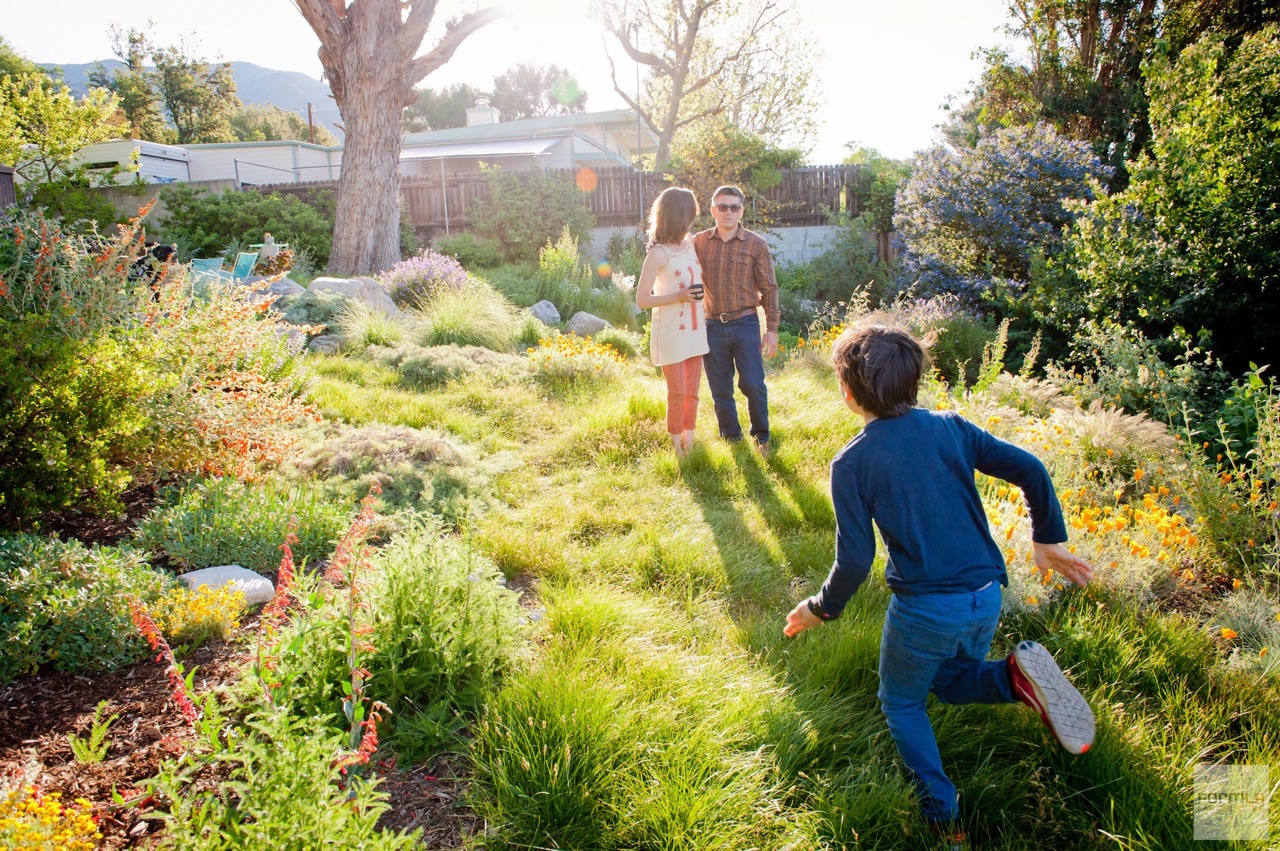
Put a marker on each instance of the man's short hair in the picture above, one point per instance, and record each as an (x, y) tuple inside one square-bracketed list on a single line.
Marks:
[(728, 190), (881, 366)]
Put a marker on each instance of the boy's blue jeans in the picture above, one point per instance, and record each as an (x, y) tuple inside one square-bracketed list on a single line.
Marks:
[(735, 346), (937, 643)]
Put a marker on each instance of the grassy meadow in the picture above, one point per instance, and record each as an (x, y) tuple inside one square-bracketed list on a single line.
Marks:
[(661, 706)]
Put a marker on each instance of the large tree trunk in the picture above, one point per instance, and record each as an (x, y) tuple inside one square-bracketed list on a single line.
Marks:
[(366, 225), (368, 52)]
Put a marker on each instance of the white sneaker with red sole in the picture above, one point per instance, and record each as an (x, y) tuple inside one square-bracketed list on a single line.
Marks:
[(1038, 682)]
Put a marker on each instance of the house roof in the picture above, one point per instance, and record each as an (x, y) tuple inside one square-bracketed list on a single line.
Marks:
[(495, 148), (621, 121)]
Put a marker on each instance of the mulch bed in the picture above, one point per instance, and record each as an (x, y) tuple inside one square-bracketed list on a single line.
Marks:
[(41, 711)]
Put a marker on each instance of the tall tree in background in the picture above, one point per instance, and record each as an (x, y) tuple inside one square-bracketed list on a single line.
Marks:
[(535, 91), (369, 52), (134, 85), (687, 45), (200, 98), (15, 64), (440, 109), (270, 123), (1082, 74)]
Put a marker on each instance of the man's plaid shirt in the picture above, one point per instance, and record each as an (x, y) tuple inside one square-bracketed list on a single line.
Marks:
[(737, 275)]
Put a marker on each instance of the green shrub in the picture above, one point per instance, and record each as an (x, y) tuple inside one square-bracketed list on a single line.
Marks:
[(315, 307), (67, 606), (478, 315), (429, 367), (849, 266), (416, 280), (417, 469), (517, 281), (208, 224), (526, 211), (73, 413), (272, 764), (472, 253), (222, 521), (444, 626)]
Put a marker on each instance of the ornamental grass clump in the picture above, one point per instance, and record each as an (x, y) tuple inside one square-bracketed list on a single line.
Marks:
[(362, 326), (475, 315), (419, 279)]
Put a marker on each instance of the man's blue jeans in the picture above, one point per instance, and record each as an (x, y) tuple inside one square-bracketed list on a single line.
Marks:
[(736, 345), (937, 643)]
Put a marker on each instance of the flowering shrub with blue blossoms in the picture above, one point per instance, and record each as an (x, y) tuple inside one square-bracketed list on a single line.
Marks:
[(418, 278), (974, 215)]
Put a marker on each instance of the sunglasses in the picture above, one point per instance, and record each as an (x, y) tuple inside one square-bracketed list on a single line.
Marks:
[(728, 208)]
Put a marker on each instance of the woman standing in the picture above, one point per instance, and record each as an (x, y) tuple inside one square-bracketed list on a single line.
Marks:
[(671, 284)]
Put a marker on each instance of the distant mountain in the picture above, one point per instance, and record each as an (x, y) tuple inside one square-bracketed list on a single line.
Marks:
[(289, 90)]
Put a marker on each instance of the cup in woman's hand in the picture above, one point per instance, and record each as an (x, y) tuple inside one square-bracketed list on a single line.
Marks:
[(695, 292)]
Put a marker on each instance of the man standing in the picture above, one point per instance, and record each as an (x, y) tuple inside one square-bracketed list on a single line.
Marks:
[(737, 274)]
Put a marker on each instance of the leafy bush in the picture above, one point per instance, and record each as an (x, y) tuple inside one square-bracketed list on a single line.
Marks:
[(472, 253), (66, 606), (429, 367), (530, 330), (526, 211), (443, 627), (273, 763), (418, 279), (207, 224), (517, 281), (477, 315), (849, 265), (73, 415), (417, 469), (566, 360), (222, 521), (571, 284), (984, 213)]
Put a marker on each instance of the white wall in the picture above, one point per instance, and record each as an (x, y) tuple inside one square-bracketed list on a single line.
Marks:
[(789, 245)]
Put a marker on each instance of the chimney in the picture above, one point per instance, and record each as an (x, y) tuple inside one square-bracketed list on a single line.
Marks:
[(482, 113)]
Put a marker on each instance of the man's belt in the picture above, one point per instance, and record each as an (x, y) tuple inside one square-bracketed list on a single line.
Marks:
[(731, 315)]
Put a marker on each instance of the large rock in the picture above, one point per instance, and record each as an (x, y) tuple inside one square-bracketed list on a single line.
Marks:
[(585, 325), (256, 589), (285, 287), (326, 344), (546, 312), (372, 293), (346, 287)]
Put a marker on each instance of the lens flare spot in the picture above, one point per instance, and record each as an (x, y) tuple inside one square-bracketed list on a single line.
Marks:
[(586, 179), (603, 269)]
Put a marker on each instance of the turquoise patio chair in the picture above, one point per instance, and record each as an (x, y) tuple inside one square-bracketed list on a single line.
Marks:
[(245, 261), (212, 264)]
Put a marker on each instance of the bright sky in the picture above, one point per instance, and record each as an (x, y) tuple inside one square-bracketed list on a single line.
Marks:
[(887, 66)]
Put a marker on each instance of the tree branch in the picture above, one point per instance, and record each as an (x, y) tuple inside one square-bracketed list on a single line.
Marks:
[(324, 21), (414, 29), (441, 53)]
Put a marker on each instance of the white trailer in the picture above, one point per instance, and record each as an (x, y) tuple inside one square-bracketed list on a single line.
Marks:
[(156, 163)]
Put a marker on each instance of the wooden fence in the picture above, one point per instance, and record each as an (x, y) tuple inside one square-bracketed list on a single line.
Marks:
[(802, 196)]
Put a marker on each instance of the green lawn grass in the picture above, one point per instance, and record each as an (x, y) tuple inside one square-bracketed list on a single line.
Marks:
[(662, 708)]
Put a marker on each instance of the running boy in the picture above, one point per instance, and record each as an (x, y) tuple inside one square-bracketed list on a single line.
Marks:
[(912, 472)]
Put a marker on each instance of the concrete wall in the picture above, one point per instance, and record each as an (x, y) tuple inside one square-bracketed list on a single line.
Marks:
[(789, 245)]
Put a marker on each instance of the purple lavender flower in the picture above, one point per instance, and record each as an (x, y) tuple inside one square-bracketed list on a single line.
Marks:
[(419, 278)]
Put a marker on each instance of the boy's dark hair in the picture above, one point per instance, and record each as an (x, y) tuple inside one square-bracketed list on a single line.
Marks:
[(881, 366), (728, 190)]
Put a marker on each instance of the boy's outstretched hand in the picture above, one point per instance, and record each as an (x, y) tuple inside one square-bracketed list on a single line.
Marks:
[(800, 619), (1058, 558)]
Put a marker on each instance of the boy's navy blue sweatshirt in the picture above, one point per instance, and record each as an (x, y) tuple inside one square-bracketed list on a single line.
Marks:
[(913, 475)]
